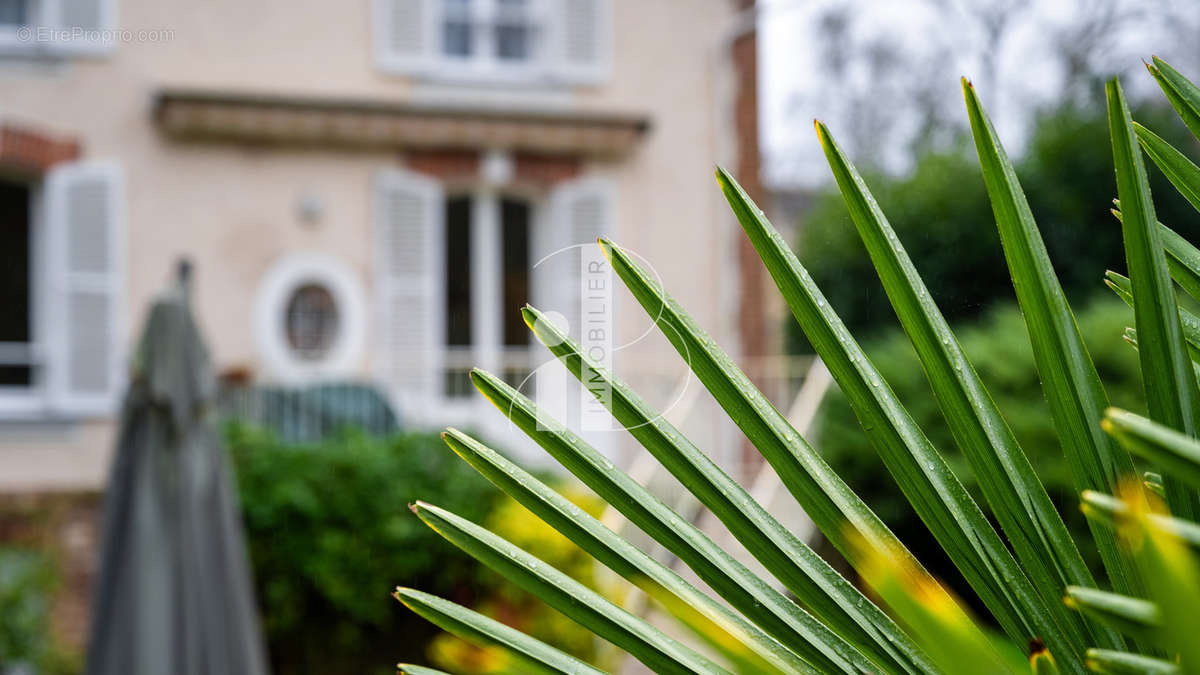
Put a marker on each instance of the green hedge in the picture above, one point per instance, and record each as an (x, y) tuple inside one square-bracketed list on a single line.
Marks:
[(998, 346), (330, 536)]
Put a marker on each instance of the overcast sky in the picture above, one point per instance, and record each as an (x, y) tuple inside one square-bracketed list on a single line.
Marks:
[(946, 38)]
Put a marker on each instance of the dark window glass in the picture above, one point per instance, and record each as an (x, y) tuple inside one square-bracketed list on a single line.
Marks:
[(15, 286), (512, 30), (514, 222), (312, 321), (14, 12), (457, 28), (458, 271)]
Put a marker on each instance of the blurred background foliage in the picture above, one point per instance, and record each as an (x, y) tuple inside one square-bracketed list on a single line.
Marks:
[(330, 536), (28, 580), (942, 214)]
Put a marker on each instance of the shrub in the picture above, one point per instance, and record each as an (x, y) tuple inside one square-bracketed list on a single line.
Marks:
[(27, 581), (328, 526), (1144, 608)]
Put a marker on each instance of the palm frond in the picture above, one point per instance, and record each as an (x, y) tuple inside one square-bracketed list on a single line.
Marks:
[(478, 629), (1070, 382), (1168, 377)]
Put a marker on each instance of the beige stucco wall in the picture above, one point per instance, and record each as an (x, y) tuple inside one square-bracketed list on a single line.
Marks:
[(232, 209)]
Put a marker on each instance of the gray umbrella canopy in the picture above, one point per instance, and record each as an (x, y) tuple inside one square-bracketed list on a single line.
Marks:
[(174, 594)]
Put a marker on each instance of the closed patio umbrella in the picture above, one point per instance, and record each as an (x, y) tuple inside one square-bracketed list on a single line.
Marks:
[(174, 593)]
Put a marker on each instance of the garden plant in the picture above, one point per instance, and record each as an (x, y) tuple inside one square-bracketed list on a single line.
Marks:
[(1049, 613)]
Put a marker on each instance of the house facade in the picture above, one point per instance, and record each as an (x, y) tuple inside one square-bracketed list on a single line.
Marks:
[(367, 191)]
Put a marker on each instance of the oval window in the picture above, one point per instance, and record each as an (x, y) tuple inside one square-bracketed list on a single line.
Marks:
[(311, 321)]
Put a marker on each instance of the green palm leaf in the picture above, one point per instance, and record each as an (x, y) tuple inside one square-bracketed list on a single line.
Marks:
[(1183, 95), (746, 592), (1177, 453), (1011, 486), (1123, 287), (781, 552), (1112, 512), (409, 669), (825, 497), (1153, 482), (583, 605), (480, 630), (1172, 579), (922, 474), (929, 611), (1168, 377), (1069, 379), (1134, 617), (1183, 261), (623, 558), (1109, 662)]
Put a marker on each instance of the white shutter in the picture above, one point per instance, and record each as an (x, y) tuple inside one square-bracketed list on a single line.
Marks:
[(582, 35), (581, 211), (409, 261), (84, 26), (85, 272), (406, 34)]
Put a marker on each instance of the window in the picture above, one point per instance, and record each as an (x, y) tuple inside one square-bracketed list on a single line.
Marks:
[(16, 287), (514, 30), (514, 223), (500, 229), (495, 41), (452, 271), (15, 12), (458, 271), (457, 27), (487, 34), (56, 28), (312, 322), (309, 318), (61, 289)]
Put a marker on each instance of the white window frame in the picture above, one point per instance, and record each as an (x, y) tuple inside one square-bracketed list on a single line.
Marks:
[(484, 64), (487, 349), (484, 68), (33, 402), (46, 36), (48, 396), (270, 318)]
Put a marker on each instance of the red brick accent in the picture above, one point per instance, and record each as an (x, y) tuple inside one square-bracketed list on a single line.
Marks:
[(24, 149), (445, 165), (544, 170), (752, 309)]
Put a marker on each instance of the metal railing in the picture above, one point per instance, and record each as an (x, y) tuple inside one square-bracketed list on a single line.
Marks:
[(309, 414)]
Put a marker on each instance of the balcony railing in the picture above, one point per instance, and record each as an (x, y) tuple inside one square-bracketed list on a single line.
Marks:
[(309, 414)]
